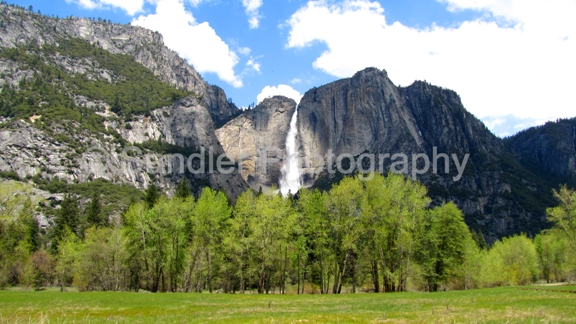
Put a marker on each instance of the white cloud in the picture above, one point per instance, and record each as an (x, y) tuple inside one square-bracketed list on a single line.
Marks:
[(253, 65), (552, 17), (252, 7), (525, 68), (494, 122), (280, 90), (509, 125), (131, 7), (296, 81), (196, 42), (244, 50), (195, 3)]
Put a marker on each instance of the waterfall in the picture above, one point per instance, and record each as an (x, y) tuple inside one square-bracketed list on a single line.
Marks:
[(291, 171)]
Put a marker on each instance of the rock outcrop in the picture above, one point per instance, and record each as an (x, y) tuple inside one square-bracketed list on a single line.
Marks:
[(258, 138), (549, 149)]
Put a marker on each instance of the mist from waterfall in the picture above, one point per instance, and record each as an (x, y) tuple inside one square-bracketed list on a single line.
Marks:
[(290, 181)]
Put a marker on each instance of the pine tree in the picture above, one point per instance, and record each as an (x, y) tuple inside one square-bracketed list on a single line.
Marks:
[(94, 214), (68, 216), (32, 227), (479, 239), (152, 195), (183, 191)]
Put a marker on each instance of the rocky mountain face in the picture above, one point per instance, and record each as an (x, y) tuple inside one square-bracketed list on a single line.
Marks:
[(20, 27), (368, 114), (87, 132), (258, 138), (352, 116), (549, 150)]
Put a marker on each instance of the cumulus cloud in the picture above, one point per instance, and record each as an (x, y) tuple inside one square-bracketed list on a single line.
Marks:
[(131, 7), (196, 42), (523, 67), (552, 17), (252, 7), (280, 90)]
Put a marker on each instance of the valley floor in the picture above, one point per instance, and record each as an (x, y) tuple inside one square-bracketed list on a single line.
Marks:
[(498, 305)]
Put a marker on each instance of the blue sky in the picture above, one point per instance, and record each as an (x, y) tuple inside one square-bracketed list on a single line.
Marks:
[(511, 61)]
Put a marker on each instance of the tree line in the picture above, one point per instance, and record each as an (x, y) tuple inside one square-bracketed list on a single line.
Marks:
[(378, 235)]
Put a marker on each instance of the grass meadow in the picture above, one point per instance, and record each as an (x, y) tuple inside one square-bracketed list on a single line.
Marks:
[(497, 305)]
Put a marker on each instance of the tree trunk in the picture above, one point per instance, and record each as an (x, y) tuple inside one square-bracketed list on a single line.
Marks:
[(375, 275), (336, 278), (354, 277), (323, 279), (241, 276), (304, 277), (298, 275), (283, 284), (343, 273), (209, 270), (261, 278)]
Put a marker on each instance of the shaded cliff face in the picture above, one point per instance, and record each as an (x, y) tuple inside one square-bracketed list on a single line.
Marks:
[(369, 114), (549, 150), (362, 114), (258, 137), (22, 27)]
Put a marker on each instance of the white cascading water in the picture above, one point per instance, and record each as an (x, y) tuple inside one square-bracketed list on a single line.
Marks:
[(290, 181)]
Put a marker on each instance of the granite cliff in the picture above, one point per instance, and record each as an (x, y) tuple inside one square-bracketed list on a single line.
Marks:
[(77, 92), (258, 137)]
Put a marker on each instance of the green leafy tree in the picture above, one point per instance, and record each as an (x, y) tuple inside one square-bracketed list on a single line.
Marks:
[(67, 257), (441, 243), (313, 251), (564, 216), (552, 255), (392, 209), (271, 229), (512, 261), (43, 268), (238, 239), (17, 234), (208, 224), (470, 275), (344, 207), (102, 261)]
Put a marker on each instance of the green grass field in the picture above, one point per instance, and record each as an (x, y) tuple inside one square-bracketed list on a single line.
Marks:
[(498, 305)]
